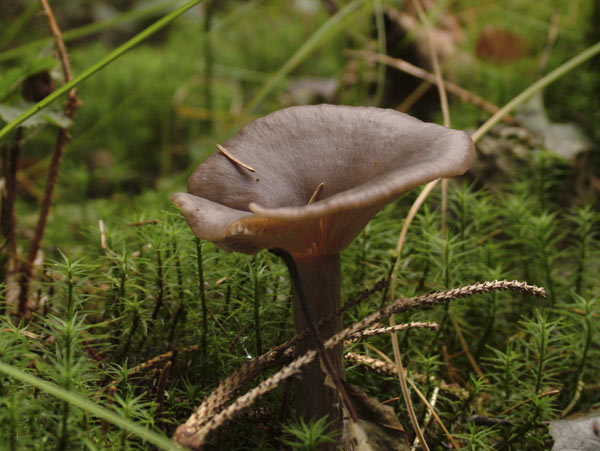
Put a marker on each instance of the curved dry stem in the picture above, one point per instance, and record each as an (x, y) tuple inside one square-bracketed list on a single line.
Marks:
[(206, 418)]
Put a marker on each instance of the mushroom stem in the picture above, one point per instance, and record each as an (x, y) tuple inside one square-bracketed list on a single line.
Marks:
[(320, 278), (325, 358)]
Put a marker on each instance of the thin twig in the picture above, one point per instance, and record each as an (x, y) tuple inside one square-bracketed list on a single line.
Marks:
[(418, 392), (397, 328), (434, 413), (432, 403), (211, 414), (404, 388), (465, 346), (407, 222), (439, 81), (542, 395), (61, 141), (9, 159), (550, 40), (386, 368), (234, 159), (160, 389), (414, 96), (415, 71), (316, 193)]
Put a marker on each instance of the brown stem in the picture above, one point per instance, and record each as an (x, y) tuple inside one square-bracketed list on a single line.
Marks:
[(61, 141), (416, 71), (9, 160), (321, 278)]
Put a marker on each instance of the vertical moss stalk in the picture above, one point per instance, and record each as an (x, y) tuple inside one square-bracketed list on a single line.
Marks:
[(203, 343), (256, 284)]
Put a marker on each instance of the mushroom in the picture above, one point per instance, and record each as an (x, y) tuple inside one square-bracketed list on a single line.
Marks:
[(312, 177)]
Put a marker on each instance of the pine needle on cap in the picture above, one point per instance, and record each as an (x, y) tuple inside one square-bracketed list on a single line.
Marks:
[(316, 193), (234, 159)]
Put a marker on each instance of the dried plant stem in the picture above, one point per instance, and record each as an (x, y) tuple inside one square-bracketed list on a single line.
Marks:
[(541, 395), (397, 328), (256, 306), (550, 40), (160, 284), (536, 87), (464, 345), (200, 268), (210, 414), (418, 72), (420, 394), (503, 112), (431, 411), (407, 222), (404, 387), (439, 81), (316, 193), (61, 142), (233, 158), (9, 158), (160, 389), (414, 97), (387, 368), (499, 115)]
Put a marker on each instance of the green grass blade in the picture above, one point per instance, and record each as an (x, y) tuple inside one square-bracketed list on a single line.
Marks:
[(94, 409), (89, 29), (327, 29), (537, 86), (119, 51)]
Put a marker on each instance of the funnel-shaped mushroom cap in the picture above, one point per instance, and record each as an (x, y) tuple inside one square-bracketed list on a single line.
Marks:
[(364, 157)]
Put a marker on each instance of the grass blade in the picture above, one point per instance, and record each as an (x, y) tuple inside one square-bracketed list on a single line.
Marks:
[(331, 26), (96, 410), (116, 53)]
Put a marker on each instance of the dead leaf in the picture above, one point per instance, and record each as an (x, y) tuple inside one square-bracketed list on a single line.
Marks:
[(577, 434)]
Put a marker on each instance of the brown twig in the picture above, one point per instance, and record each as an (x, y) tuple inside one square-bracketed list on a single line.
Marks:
[(550, 40), (316, 193), (414, 96), (418, 438), (61, 141), (212, 413), (418, 72), (9, 157), (390, 370), (233, 158), (465, 346), (160, 389), (541, 395), (397, 328)]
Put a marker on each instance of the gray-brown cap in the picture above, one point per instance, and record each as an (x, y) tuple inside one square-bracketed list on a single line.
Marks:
[(365, 158)]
